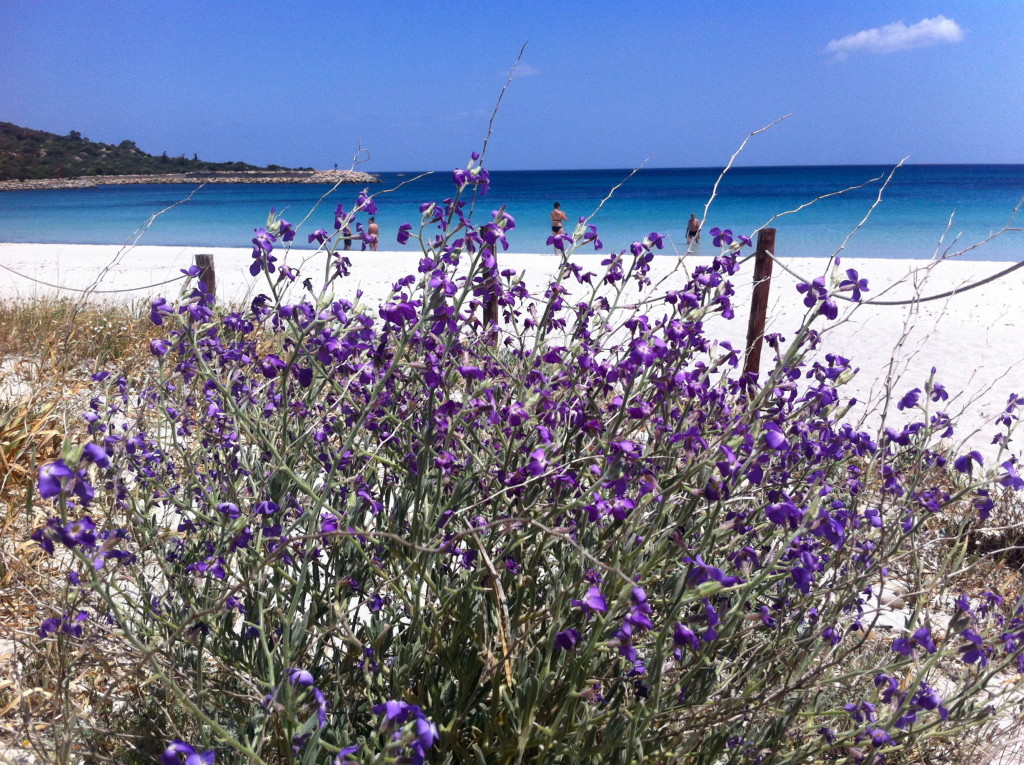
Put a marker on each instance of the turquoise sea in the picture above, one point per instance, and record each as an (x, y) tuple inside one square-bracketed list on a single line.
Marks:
[(909, 222)]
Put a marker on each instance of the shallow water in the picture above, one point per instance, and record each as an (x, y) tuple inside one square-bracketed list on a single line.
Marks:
[(909, 222)]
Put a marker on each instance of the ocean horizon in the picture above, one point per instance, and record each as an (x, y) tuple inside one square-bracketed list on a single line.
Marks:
[(911, 221)]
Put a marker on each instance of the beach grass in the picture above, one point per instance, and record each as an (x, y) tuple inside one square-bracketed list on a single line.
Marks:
[(62, 334)]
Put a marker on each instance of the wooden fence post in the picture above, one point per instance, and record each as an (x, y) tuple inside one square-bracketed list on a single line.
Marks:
[(207, 273), (490, 302), (759, 300), (491, 306)]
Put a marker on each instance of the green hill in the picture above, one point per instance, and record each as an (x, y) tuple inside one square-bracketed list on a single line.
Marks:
[(27, 153)]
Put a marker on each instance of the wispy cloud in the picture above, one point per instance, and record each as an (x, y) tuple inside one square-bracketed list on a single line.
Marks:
[(897, 37), (526, 70)]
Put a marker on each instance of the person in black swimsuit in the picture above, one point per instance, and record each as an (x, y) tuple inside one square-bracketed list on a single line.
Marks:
[(693, 229), (558, 216)]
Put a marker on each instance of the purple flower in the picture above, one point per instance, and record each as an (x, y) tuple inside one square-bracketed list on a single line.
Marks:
[(774, 437), (266, 507), (342, 757), (394, 711), (285, 230), (426, 733), (339, 216), (481, 178), (879, 738), (365, 203), (909, 400), (922, 638), (566, 640), (495, 231), (158, 309), (928, 699), (538, 463), (52, 477), (320, 235), (783, 513), (96, 454), (69, 625), (853, 283), (965, 464), (80, 532), (684, 637), (159, 347), (744, 240), (861, 712), (815, 291), (560, 241), (300, 677), (493, 234), (592, 602), (803, 578), (975, 652), (263, 242), (721, 236), (639, 615), (178, 749), (404, 232), (229, 509), (702, 572), (1011, 480), (983, 503), (49, 626), (398, 313)]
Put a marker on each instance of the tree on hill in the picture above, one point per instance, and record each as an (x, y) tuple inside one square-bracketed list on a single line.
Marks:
[(29, 154)]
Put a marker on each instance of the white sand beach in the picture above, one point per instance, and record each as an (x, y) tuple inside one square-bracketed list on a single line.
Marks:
[(974, 338)]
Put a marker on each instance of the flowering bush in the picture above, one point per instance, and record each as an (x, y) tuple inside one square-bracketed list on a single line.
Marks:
[(333, 532)]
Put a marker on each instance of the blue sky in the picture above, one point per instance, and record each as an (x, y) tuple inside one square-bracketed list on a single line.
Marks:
[(604, 83)]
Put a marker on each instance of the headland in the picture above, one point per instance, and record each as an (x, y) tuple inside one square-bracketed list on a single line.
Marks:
[(194, 178)]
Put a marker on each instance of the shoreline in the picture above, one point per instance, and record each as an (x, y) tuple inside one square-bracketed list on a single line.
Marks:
[(972, 338), (326, 177)]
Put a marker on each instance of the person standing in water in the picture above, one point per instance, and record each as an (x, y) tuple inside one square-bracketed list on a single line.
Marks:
[(693, 229), (373, 230), (558, 217)]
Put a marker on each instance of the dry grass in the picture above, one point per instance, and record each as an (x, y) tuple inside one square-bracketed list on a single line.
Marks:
[(58, 335), (48, 347)]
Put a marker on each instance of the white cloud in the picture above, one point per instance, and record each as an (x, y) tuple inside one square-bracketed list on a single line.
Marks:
[(525, 70), (896, 37)]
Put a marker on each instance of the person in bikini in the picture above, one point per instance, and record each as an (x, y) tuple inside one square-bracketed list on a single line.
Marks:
[(558, 217), (693, 229)]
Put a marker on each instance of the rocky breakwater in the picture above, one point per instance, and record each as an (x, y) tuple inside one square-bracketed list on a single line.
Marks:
[(330, 177)]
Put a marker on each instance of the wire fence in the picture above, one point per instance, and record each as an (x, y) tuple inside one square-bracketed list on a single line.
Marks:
[(872, 301), (91, 290), (911, 301), (949, 293)]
